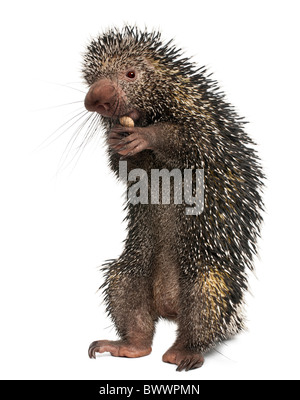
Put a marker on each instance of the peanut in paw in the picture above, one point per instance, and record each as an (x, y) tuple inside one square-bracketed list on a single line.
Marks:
[(127, 121)]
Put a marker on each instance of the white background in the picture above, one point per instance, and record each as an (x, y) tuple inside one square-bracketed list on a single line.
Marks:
[(59, 224)]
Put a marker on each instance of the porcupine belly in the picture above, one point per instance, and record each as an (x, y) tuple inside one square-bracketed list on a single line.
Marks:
[(166, 265)]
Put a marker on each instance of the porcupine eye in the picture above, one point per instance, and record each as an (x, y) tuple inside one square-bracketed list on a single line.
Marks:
[(130, 74)]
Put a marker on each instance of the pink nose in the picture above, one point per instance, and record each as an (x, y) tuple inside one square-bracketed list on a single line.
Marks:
[(101, 98)]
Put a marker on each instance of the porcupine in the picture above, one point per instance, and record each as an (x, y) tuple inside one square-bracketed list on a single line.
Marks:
[(191, 269)]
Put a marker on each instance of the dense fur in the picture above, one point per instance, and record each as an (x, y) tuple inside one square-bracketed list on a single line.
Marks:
[(191, 269)]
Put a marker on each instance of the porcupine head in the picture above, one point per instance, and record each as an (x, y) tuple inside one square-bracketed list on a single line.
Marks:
[(145, 79)]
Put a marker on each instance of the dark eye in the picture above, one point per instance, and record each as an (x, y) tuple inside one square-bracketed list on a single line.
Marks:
[(130, 74)]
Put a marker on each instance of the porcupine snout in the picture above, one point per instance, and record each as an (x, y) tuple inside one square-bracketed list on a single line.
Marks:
[(102, 97)]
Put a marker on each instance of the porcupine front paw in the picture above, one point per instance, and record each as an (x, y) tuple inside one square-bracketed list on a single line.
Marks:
[(183, 358), (137, 139), (118, 348)]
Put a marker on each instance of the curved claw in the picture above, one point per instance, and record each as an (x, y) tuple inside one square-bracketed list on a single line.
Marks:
[(93, 349), (183, 365), (183, 358), (100, 346), (190, 364)]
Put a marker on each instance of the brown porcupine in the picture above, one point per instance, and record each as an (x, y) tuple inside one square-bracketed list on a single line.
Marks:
[(188, 268)]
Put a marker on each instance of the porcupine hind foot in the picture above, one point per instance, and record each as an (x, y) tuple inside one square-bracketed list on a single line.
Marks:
[(118, 348), (128, 299), (183, 358)]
